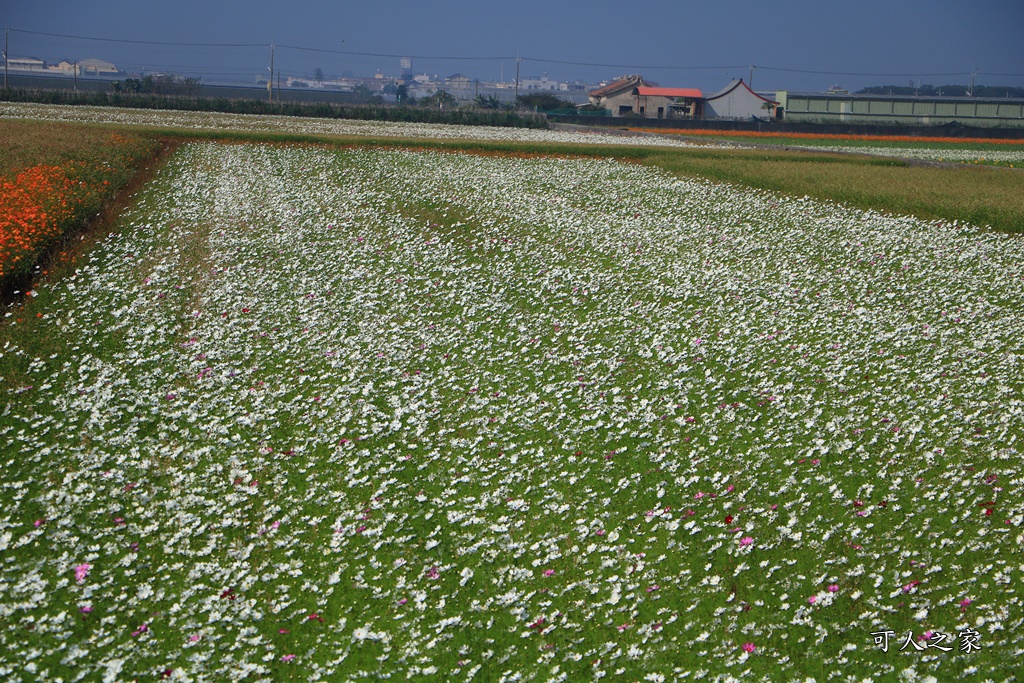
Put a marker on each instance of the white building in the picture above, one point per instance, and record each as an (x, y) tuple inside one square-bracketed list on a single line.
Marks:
[(25, 64), (542, 83), (738, 101)]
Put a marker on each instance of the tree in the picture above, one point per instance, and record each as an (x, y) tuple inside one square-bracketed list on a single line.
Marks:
[(544, 102), (403, 97), (487, 102), (318, 76), (439, 100), (364, 95)]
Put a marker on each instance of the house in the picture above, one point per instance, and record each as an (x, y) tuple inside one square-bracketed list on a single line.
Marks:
[(738, 101), (668, 103), (633, 96), (618, 95)]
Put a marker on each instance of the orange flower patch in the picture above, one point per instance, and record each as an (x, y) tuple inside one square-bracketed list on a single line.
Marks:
[(33, 208), (40, 203)]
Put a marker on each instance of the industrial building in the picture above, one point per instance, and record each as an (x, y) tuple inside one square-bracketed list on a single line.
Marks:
[(831, 107)]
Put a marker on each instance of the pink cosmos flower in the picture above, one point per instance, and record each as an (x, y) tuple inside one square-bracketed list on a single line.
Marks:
[(746, 540), (834, 588), (749, 647), (813, 599), (287, 658), (549, 572), (81, 571)]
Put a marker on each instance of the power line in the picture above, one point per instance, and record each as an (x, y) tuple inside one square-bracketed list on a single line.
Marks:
[(631, 66), (383, 54), (855, 73), (138, 42), (508, 58)]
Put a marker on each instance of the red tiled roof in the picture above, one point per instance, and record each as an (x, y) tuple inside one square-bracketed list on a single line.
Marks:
[(689, 93)]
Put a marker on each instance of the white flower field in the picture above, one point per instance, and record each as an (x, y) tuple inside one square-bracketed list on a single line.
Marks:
[(325, 414), (219, 121)]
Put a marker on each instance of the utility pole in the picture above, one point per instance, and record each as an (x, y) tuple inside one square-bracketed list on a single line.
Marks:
[(517, 81), (75, 71), (750, 79), (973, 74), (7, 32), (270, 81)]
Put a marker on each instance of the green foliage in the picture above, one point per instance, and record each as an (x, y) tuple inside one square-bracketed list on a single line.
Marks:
[(163, 84), (439, 100), (488, 102), (363, 95), (543, 102)]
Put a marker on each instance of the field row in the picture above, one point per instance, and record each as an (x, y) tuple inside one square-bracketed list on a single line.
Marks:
[(214, 121), (331, 413)]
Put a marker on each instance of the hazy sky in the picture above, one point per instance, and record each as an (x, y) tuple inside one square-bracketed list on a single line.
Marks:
[(853, 44)]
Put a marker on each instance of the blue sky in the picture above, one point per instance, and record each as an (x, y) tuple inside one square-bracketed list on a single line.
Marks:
[(795, 44)]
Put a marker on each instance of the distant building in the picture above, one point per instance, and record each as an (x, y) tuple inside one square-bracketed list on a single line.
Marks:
[(25, 64), (543, 84), (458, 82), (618, 95), (737, 101), (96, 66), (633, 96), (832, 107), (667, 103), (87, 67)]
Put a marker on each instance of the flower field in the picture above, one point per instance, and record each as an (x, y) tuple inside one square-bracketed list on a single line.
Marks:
[(40, 203), (341, 414), (253, 123)]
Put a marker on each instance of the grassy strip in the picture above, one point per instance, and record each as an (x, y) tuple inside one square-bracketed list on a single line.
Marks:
[(977, 195)]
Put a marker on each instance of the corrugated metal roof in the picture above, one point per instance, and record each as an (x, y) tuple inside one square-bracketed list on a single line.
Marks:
[(691, 93)]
